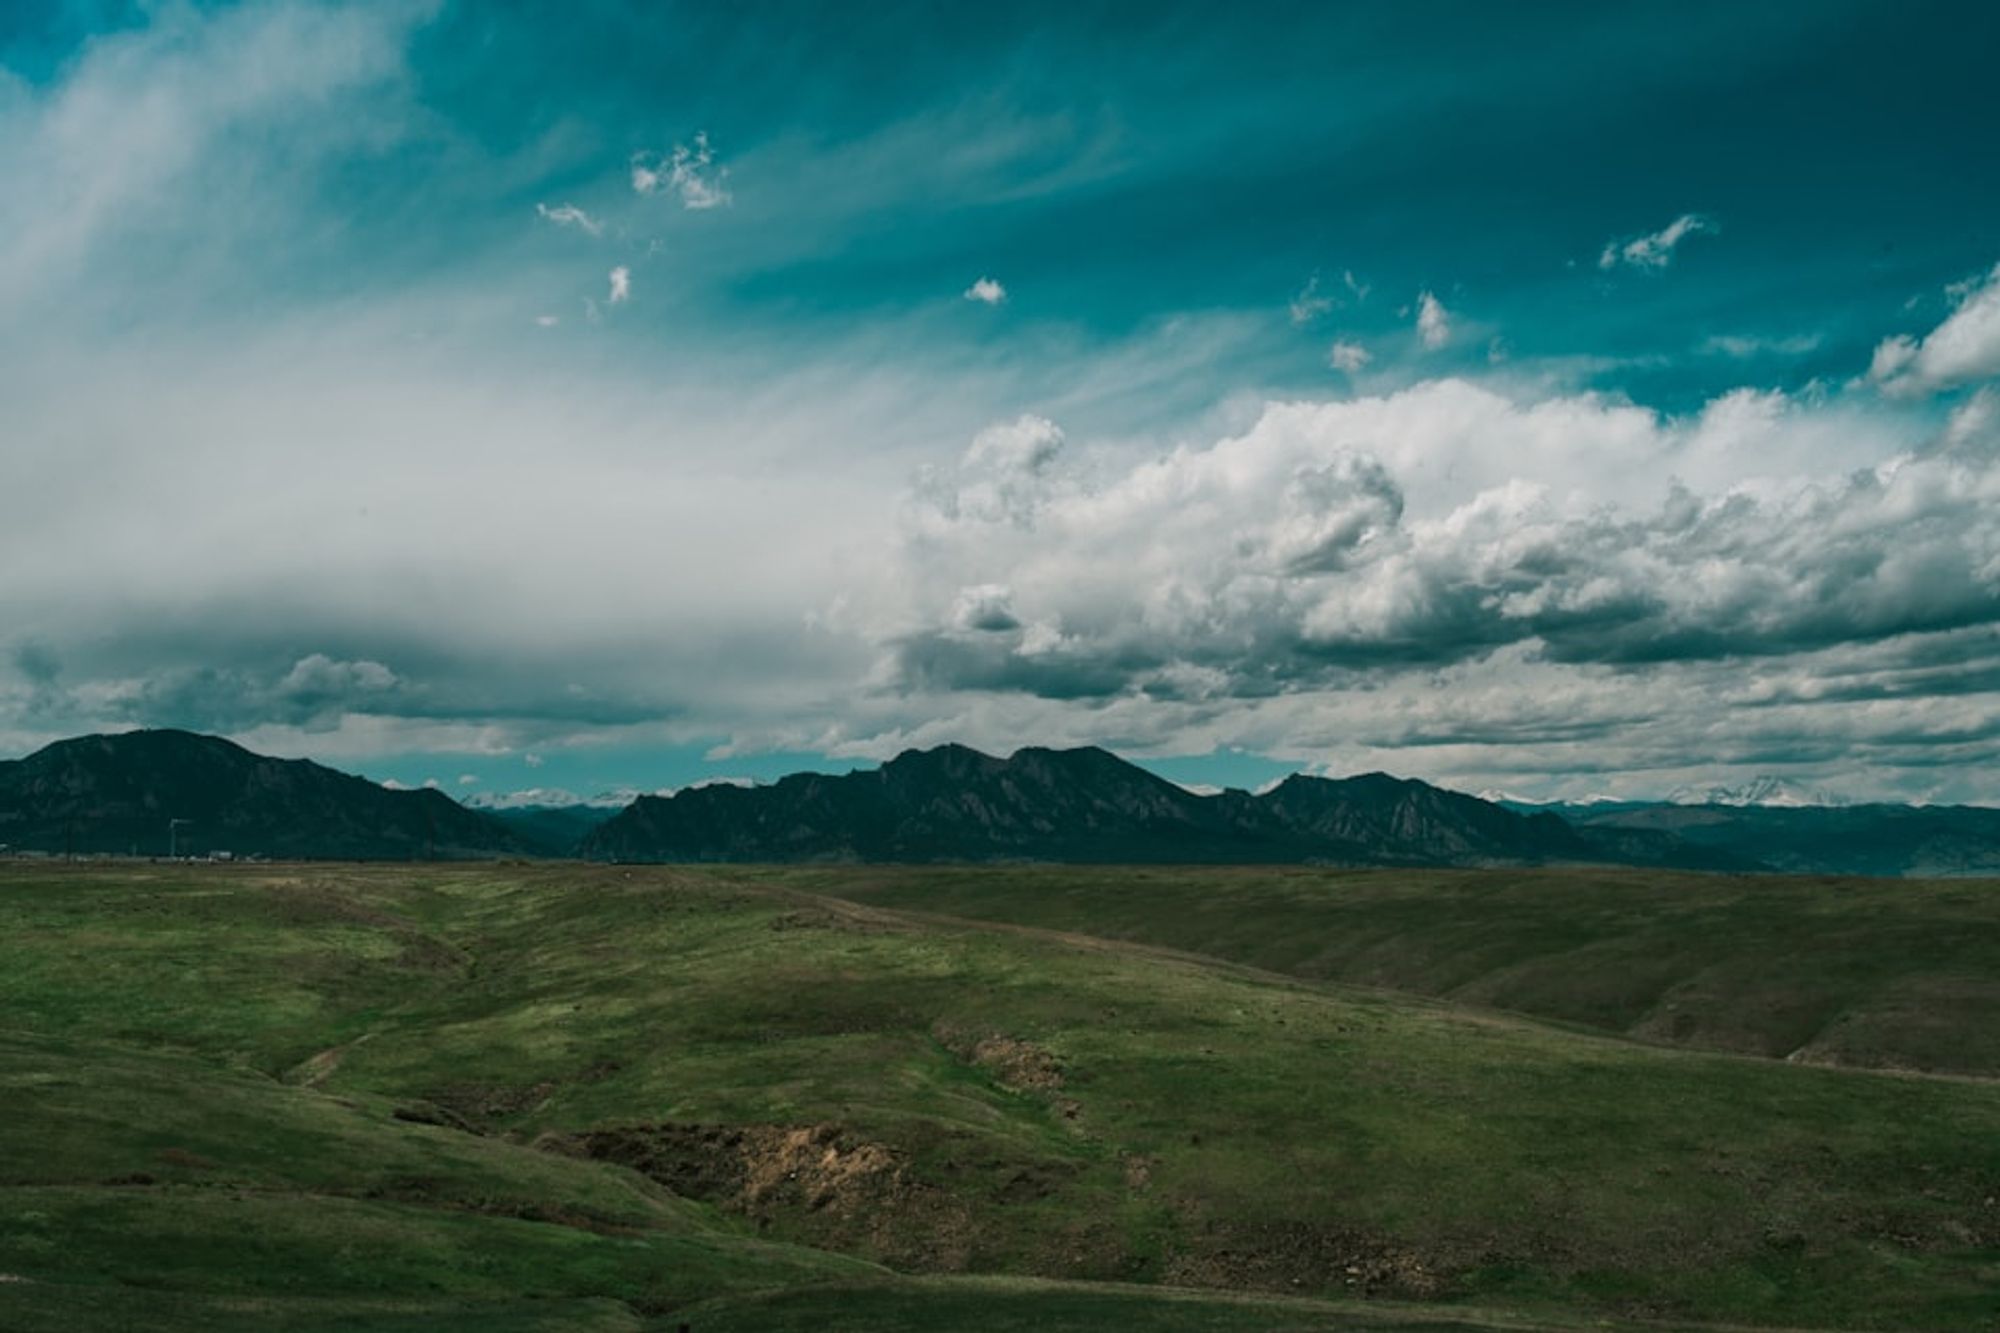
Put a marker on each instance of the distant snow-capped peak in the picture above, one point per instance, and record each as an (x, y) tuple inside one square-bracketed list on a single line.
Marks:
[(532, 797), (1499, 796), (1767, 790)]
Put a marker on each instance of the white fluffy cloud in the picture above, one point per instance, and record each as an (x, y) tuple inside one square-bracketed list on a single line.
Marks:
[(1347, 541), (986, 290), (1433, 321), (1963, 349), (689, 172), (1655, 250), (621, 285)]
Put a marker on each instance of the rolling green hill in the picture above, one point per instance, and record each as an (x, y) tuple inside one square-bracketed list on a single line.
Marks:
[(1894, 974), (581, 1097)]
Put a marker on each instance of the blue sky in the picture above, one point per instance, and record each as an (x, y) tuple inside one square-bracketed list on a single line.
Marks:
[(1557, 399)]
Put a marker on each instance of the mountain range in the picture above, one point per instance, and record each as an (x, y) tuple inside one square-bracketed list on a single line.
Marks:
[(150, 792), (146, 792), (1861, 839), (954, 803)]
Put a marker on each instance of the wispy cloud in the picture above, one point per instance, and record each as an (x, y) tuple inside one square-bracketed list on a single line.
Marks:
[(1433, 321), (1655, 250), (1314, 300), (688, 172), (1310, 303), (621, 285), (569, 215), (986, 290), (1744, 347), (1347, 356)]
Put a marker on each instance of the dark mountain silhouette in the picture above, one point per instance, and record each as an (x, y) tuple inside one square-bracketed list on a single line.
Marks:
[(117, 793), (956, 804)]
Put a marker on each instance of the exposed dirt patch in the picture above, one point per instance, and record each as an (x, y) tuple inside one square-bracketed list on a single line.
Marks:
[(1014, 1063), (816, 1181), (1298, 1256)]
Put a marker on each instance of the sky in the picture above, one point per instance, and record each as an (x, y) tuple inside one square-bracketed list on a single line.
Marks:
[(1558, 400)]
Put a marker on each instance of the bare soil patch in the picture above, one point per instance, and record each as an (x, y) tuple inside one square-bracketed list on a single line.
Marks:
[(818, 1181), (1295, 1256), (1014, 1063)]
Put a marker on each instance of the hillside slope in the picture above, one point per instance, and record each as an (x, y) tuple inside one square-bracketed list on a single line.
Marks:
[(928, 1095), (1868, 972)]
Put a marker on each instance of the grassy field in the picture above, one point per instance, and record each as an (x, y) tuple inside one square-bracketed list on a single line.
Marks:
[(1893, 974), (587, 1097)]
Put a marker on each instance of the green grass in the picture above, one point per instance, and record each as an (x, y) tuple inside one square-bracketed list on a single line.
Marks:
[(1866, 972), (353, 1097)]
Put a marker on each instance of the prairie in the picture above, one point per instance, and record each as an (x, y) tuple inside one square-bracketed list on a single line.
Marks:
[(562, 1096)]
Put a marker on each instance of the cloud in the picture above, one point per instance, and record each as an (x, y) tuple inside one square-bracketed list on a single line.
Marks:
[(621, 285), (147, 130), (267, 272), (1745, 347), (1350, 357), (313, 694), (569, 215), (1965, 348), (1312, 301), (1001, 477), (1322, 548), (986, 290), (547, 321), (1433, 321), (1656, 249), (321, 677), (688, 172), (37, 662), (985, 608), (533, 760)]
